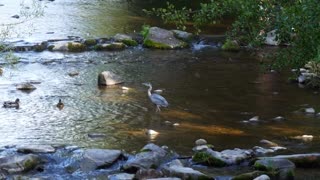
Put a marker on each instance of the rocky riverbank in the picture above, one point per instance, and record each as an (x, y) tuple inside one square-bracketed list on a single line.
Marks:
[(151, 162), (154, 37)]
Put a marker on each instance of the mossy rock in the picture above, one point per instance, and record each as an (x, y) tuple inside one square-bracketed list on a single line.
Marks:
[(152, 44), (2, 47), (126, 39), (90, 42), (162, 39), (109, 47), (76, 47), (130, 42), (207, 159), (230, 45)]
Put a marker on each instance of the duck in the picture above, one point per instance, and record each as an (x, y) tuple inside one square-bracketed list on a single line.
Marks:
[(12, 104), (60, 104)]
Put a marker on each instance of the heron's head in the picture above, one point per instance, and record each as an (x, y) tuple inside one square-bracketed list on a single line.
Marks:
[(147, 84)]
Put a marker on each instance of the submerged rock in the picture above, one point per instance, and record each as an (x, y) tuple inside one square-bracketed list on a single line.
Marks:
[(26, 87), (19, 163), (107, 78), (162, 39), (36, 149), (73, 73)]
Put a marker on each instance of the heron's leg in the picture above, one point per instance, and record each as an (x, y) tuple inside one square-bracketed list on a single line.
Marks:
[(158, 109)]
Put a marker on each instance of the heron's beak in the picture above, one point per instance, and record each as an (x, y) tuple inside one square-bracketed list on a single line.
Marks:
[(146, 84)]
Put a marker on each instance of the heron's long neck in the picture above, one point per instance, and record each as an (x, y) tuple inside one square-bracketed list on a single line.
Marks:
[(149, 91)]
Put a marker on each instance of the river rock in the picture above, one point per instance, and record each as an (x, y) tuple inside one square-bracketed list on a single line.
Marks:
[(97, 135), (16, 16), (283, 168), (162, 39), (219, 159), (121, 176), (273, 164), (73, 73), (115, 46), (67, 46), (151, 156), (176, 169), (127, 40), (200, 142), (262, 177), (19, 163), (90, 42), (268, 143), (311, 160), (309, 110), (166, 178), (36, 149), (183, 35), (40, 46), (302, 79), (98, 158), (306, 138), (107, 78), (271, 38), (249, 175), (26, 87), (148, 174), (230, 45)]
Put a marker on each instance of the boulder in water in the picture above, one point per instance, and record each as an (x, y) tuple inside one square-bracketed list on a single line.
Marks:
[(159, 38), (108, 78)]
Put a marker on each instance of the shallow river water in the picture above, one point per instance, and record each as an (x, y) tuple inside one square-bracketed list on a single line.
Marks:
[(210, 92)]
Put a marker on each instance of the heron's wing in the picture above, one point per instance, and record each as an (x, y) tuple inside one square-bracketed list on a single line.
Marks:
[(159, 100)]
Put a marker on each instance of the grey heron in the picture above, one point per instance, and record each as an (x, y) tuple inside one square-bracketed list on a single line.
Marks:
[(156, 99)]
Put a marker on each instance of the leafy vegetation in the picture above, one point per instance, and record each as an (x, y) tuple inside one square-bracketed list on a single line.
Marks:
[(296, 23)]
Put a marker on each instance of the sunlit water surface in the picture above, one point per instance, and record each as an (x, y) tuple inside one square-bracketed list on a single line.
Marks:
[(210, 92)]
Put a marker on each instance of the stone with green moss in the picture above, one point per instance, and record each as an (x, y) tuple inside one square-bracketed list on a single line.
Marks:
[(162, 39), (19, 163), (127, 40), (110, 46), (230, 45), (76, 47), (207, 159), (90, 42)]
